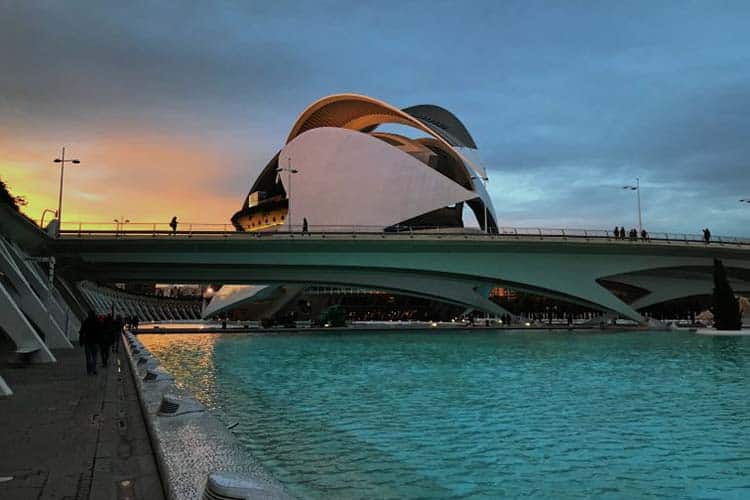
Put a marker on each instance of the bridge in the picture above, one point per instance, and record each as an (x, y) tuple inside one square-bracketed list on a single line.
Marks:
[(449, 265)]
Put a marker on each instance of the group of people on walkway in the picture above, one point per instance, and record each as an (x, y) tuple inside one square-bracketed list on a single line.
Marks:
[(99, 335), (632, 235)]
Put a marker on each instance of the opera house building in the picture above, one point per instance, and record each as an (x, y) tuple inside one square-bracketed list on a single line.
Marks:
[(341, 171)]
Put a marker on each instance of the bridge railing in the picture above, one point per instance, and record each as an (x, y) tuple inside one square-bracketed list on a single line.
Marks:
[(204, 230)]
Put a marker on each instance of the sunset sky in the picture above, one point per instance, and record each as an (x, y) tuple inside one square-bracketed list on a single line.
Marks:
[(173, 107)]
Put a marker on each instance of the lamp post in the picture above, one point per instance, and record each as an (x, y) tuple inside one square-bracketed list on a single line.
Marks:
[(119, 223), (207, 294), (62, 161), (289, 170), (637, 189), (44, 214)]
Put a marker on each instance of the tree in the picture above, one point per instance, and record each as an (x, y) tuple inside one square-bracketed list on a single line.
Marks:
[(726, 309), (7, 198)]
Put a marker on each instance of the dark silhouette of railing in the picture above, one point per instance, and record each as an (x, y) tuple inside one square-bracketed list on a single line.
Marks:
[(197, 230)]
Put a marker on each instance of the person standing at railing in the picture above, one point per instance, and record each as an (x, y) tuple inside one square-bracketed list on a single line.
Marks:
[(617, 233), (707, 235), (173, 224), (644, 235), (622, 232), (304, 225)]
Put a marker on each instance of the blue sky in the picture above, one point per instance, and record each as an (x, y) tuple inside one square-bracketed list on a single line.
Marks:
[(567, 101)]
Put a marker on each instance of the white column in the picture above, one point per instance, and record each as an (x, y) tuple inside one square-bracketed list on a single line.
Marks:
[(15, 324), (4, 388), (27, 299)]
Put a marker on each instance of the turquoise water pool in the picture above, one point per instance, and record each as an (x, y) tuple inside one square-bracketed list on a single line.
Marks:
[(481, 414)]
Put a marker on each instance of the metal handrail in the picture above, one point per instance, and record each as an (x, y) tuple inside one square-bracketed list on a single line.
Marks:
[(190, 229)]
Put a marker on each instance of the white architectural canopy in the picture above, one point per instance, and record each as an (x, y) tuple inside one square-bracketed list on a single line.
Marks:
[(352, 179), (350, 174)]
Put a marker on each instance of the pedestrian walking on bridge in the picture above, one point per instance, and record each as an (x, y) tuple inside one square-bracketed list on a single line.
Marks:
[(173, 224)]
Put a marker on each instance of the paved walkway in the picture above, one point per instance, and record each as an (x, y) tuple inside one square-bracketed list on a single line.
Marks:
[(66, 435)]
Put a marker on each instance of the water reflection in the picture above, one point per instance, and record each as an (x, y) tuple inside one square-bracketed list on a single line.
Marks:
[(190, 358)]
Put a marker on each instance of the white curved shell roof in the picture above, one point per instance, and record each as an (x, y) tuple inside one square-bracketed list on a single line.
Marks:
[(348, 178)]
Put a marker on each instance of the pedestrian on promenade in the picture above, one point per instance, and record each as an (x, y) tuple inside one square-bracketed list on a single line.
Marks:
[(173, 224), (622, 232), (644, 234), (105, 338), (617, 233), (304, 225), (119, 325), (707, 235), (88, 337)]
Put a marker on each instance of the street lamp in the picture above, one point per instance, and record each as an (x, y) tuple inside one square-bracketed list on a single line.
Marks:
[(289, 170), (62, 161), (207, 294), (44, 214), (485, 180), (637, 189), (120, 223)]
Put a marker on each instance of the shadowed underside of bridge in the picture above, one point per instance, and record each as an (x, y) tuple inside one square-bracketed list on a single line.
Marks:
[(457, 270)]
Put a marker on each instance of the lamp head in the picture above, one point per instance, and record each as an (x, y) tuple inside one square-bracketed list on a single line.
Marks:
[(76, 161), (57, 160)]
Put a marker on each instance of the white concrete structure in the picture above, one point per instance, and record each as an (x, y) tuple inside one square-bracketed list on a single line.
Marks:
[(104, 300), (346, 173), (352, 179)]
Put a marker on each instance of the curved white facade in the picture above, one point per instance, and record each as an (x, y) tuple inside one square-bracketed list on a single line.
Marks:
[(348, 178), (349, 174)]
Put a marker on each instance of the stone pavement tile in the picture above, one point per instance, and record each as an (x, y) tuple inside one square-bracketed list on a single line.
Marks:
[(64, 484), (19, 493), (145, 485), (28, 478)]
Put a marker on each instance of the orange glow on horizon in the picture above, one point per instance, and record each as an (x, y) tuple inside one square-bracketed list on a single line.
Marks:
[(146, 179)]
